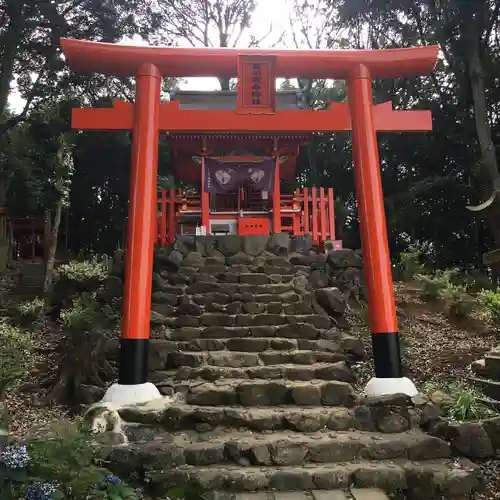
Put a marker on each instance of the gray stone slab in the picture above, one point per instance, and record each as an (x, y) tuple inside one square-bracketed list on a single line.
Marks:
[(368, 494), (292, 495), (329, 495), (261, 495)]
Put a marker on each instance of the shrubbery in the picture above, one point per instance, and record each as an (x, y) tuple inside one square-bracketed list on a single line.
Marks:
[(443, 285), (73, 280), (459, 401), (411, 262), (82, 271), (16, 356), (490, 305), (66, 466), (30, 310)]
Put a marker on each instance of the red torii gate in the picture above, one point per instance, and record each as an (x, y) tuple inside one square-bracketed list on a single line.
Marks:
[(147, 117)]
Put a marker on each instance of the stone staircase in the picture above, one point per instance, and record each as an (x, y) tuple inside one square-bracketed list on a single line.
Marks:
[(247, 335), (486, 377), (30, 285)]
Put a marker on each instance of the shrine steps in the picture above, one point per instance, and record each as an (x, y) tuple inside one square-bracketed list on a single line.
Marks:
[(256, 353)]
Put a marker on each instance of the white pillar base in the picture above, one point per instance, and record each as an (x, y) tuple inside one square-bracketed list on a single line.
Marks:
[(125, 395), (385, 386)]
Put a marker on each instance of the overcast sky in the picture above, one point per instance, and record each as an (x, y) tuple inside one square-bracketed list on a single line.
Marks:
[(276, 12)]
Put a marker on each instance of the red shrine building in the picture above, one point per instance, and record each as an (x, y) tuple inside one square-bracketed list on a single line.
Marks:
[(233, 181)]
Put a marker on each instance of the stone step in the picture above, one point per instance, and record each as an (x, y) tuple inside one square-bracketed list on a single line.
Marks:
[(320, 371), (230, 273), (276, 265), (259, 392), (492, 365), (221, 319), (173, 297), (227, 320), (344, 494), (299, 331), (202, 304), (201, 287), (426, 480), (490, 388), (287, 448), (390, 415), (289, 337), (257, 344), (236, 359)]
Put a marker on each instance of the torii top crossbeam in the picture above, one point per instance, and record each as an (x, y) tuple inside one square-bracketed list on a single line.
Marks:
[(124, 60)]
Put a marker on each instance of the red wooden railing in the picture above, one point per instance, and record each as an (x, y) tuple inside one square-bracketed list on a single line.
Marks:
[(305, 211)]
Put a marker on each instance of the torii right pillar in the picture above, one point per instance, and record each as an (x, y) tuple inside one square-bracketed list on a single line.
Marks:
[(377, 264)]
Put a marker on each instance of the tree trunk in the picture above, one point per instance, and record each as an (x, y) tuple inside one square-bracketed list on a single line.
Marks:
[(489, 163), (4, 421), (489, 176), (51, 253), (12, 41)]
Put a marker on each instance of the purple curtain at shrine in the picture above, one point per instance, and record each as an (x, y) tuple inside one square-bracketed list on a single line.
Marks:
[(226, 177)]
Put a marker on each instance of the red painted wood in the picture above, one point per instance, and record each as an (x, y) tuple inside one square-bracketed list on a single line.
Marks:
[(331, 213), (163, 217), (314, 213), (171, 216), (123, 60), (253, 225), (277, 200), (306, 210), (323, 232), (205, 200), (336, 118)]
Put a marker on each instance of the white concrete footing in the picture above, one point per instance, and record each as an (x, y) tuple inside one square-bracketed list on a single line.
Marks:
[(385, 386), (124, 395)]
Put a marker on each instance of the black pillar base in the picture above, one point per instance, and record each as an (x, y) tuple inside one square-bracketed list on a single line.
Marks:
[(133, 368), (387, 355)]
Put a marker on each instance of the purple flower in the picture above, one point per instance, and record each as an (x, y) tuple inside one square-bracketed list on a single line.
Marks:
[(41, 491), (110, 479)]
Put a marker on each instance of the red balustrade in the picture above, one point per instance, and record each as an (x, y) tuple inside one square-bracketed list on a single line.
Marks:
[(305, 211)]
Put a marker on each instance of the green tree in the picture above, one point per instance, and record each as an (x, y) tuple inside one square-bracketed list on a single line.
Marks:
[(30, 32)]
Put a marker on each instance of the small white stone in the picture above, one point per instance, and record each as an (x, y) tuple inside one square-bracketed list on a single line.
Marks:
[(383, 386)]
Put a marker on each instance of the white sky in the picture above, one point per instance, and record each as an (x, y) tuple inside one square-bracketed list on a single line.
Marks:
[(276, 12)]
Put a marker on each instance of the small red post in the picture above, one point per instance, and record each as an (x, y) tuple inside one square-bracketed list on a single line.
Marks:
[(322, 209), (140, 231), (306, 210), (163, 220), (204, 200), (277, 199), (377, 264), (171, 216), (331, 213), (314, 212)]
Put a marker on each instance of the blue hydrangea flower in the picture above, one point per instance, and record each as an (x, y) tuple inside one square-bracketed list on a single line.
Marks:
[(41, 491), (15, 456), (110, 479)]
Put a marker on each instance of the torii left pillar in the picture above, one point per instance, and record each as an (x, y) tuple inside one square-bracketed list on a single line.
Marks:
[(132, 386)]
